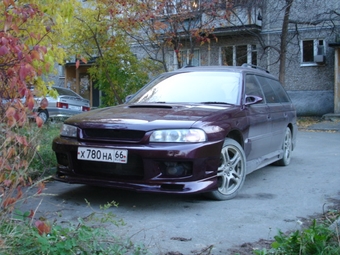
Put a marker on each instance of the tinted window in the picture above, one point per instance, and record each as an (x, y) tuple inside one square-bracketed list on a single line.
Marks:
[(193, 87), (268, 91), (252, 88), (281, 93)]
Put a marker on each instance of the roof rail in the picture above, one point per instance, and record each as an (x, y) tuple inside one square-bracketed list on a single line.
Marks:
[(255, 66), (187, 66)]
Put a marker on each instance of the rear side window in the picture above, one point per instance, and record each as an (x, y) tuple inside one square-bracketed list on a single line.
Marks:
[(279, 90), (268, 91)]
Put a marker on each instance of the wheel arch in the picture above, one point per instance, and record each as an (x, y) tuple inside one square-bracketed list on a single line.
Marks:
[(237, 136), (290, 126)]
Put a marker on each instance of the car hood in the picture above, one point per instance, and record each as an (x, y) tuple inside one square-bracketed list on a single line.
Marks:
[(137, 116)]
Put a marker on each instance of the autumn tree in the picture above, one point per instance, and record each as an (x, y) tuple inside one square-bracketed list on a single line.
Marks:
[(96, 35), (175, 25), (30, 35)]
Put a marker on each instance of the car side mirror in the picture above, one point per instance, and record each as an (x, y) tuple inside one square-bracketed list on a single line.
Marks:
[(128, 97), (251, 99)]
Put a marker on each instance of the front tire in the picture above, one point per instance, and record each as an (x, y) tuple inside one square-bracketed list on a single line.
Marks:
[(232, 171)]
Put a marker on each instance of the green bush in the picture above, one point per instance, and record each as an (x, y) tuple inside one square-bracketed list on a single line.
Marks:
[(44, 159), (318, 239)]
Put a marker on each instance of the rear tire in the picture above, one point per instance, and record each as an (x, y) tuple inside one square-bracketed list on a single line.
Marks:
[(232, 171), (287, 148)]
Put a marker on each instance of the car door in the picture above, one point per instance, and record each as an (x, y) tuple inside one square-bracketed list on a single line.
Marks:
[(286, 112), (277, 113), (259, 134)]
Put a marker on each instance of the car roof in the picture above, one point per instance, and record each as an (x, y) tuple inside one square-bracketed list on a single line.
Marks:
[(237, 69)]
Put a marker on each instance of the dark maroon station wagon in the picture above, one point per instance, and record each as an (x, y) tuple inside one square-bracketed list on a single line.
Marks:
[(194, 130)]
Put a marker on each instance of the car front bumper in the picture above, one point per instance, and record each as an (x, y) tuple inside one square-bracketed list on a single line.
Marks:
[(147, 167)]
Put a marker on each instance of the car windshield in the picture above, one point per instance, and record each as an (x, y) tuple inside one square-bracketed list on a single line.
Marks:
[(192, 87)]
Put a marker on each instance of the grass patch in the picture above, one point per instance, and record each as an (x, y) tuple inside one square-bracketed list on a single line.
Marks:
[(24, 235), (44, 160)]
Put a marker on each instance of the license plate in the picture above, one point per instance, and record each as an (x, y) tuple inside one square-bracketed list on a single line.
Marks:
[(103, 155), (75, 108)]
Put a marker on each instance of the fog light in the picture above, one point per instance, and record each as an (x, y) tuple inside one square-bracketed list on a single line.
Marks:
[(177, 168)]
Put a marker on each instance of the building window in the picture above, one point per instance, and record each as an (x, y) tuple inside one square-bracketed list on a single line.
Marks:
[(253, 60), (228, 56), (310, 49), (186, 56), (61, 71), (178, 6), (170, 7), (241, 55), (237, 55)]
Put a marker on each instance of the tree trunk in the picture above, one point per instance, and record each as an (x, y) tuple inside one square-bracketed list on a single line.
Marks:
[(283, 46)]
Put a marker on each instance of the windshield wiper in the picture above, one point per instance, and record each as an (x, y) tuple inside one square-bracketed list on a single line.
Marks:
[(215, 102)]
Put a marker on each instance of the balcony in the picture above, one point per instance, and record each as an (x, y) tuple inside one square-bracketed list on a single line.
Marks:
[(221, 16)]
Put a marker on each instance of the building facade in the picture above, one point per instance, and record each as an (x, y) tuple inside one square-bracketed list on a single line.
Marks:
[(252, 34)]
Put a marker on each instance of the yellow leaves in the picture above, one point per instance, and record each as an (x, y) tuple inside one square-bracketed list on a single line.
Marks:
[(159, 25), (53, 93), (52, 19), (59, 19)]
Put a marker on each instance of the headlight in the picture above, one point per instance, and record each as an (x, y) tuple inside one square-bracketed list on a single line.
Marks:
[(67, 130), (178, 136)]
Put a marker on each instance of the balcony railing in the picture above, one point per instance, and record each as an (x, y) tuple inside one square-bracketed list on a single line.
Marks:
[(220, 14)]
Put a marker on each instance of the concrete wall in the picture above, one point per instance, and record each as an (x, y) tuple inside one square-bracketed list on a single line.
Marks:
[(312, 103)]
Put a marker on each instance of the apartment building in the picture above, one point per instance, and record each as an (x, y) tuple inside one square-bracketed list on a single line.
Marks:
[(251, 31), (246, 31)]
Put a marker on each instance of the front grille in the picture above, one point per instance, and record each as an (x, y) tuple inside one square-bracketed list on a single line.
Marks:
[(131, 170), (113, 134)]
